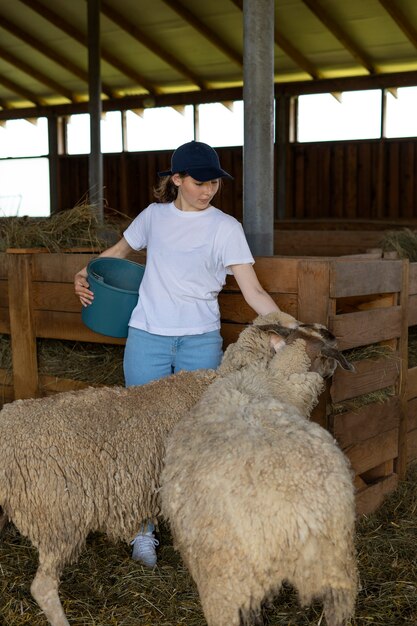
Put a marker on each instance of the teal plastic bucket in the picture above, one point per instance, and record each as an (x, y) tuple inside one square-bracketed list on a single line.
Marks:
[(115, 284)]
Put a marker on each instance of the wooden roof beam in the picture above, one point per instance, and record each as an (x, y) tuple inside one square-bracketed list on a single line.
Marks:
[(401, 20), (210, 35), (143, 38), (21, 91), (39, 76), (293, 88), (59, 22), (299, 59), (52, 54), (6, 107), (361, 57), (348, 83)]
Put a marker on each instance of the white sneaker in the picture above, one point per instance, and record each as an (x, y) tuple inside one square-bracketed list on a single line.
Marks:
[(144, 545)]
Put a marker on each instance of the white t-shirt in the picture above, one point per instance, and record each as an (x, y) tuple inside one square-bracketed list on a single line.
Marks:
[(188, 255)]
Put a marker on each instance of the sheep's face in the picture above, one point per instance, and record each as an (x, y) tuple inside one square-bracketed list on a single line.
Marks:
[(320, 346), (322, 361)]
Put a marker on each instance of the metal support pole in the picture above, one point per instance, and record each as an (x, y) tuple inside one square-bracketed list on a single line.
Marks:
[(196, 116), (95, 164), (258, 148), (53, 162), (282, 141)]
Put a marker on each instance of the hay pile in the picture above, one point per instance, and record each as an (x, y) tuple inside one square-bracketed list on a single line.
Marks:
[(107, 588), (375, 352), (403, 241), (93, 363), (412, 346), (72, 228)]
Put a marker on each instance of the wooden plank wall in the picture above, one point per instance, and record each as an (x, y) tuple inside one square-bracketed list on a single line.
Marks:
[(371, 179), (367, 179), (325, 242), (129, 179)]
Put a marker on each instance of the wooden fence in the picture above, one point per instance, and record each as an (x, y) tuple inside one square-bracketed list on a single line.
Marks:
[(411, 390), (365, 301)]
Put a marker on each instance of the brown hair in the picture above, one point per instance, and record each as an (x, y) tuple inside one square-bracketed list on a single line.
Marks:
[(167, 191)]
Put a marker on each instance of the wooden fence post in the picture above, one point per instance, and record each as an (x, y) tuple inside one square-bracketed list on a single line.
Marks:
[(314, 306), (22, 330), (313, 291), (402, 385)]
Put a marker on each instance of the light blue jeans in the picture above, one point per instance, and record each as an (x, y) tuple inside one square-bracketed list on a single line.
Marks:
[(149, 357)]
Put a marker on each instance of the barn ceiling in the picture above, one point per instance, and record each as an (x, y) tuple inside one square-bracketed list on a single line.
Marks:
[(160, 47)]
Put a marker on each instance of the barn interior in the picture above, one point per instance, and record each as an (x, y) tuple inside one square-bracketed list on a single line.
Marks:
[(324, 220), (59, 59)]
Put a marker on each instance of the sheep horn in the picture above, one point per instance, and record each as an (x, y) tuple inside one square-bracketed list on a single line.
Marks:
[(339, 357), (277, 329), (320, 331)]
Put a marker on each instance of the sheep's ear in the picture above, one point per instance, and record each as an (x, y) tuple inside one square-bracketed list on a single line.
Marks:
[(283, 331), (277, 342), (339, 357)]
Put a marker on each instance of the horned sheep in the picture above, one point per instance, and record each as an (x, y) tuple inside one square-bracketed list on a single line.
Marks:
[(255, 493), (90, 460)]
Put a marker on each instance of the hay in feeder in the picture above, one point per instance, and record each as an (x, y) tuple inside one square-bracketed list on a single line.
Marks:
[(72, 228), (98, 364), (371, 352), (403, 241), (105, 587), (5, 353), (93, 363), (374, 351), (354, 404), (412, 346)]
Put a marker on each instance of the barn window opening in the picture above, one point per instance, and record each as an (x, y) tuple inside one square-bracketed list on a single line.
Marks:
[(78, 133), (349, 115), (221, 124), (162, 128), (24, 168), (401, 107)]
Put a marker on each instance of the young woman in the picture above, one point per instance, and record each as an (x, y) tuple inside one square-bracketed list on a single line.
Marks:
[(191, 246)]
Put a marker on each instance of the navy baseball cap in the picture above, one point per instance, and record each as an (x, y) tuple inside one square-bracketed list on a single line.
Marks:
[(198, 160)]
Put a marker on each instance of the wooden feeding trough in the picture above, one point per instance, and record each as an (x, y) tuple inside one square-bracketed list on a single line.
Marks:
[(363, 300)]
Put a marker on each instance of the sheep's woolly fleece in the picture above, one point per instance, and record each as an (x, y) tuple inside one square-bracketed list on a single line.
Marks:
[(253, 345), (249, 480), (89, 460)]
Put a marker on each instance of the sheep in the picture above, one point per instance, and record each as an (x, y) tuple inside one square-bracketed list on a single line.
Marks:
[(256, 494), (90, 460)]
